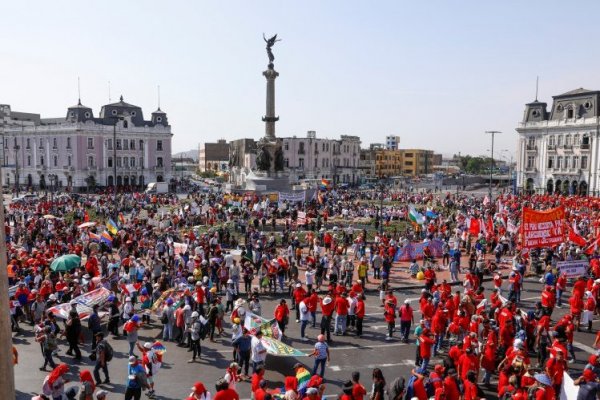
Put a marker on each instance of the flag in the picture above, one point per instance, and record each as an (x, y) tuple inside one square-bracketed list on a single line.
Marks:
[(86, 216), (489, 225), (415, 217), (106, 238), (511, 227), (112, 227), (325, 184), (482, 226), (592, 247), (474, 228), (486, 200), (577, 239), (121, 219), (94, 237), (430, 214)]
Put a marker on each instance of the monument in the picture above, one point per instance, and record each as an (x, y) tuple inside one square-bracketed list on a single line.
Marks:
[(269, 153)]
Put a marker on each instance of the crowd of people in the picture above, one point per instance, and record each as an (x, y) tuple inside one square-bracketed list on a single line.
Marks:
[(227, 252)]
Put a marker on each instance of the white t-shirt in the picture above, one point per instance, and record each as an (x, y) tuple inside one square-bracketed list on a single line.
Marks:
[(257, 349), (304, 314)]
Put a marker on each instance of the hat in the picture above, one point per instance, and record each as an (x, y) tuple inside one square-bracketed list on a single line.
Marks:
[(543, 379), (100, 394), (195, 314), (311, 391), (52, 297), (298, 284), (229, 281), (588, 375), (327, 300), (101, 334), (407, 301), (199, 387), (234, 365), (147, 345), (135, 318), (198, 283), (132, 359)]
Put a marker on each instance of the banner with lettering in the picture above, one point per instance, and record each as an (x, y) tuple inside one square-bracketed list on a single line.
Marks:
[(542, 228), (414, 251), (272, 335), (292, 197), (573, 269), (85, 303)]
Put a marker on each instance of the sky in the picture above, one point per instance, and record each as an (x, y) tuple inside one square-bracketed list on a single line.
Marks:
[(436, 73)]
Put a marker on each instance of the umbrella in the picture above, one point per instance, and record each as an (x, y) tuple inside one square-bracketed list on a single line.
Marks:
[(65, 263), (49, 216), (86, 225)]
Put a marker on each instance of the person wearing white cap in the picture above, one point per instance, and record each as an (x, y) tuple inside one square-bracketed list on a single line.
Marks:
[(230, 295), (406, 320), (136, 379)]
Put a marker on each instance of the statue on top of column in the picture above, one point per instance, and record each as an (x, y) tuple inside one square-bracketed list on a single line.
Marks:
[(270, 42)]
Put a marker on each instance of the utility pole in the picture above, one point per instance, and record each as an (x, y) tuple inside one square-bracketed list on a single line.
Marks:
[(492, 161), (7, 374)]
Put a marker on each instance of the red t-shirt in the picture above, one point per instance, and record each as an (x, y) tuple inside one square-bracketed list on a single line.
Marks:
[(226, 394), (341, 306), (358, 391)]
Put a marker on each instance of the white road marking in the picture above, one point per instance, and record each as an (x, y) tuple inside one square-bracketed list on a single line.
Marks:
[(370, 366), (373, 346), (584, 347)]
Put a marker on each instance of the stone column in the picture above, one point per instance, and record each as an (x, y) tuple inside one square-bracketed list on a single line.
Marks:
[(270, 117)]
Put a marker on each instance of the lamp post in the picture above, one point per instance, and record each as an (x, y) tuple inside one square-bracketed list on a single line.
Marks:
[(17, 148), (382, 188), (142, 180), (493, 133)]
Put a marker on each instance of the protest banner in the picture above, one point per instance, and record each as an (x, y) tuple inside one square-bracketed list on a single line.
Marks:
[(573, 269), (85, 303), (179, 248), (414, 251), (272, 335), (542, 228), (291, 197), (301, 218)]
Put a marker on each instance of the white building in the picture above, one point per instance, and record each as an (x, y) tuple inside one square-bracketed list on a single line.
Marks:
[(77, 151), (392, 142), (558, 150), (314, 158)]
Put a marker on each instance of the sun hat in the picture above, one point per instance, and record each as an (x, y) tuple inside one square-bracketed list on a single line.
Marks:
[(147, 345), (543, 379)]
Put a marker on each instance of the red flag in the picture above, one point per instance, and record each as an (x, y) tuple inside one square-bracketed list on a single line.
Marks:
[(575, 238), (86, 217), (592, 247), (490, 225), (474, 228)]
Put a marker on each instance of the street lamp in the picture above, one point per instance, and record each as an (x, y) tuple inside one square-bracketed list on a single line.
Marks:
[(17, 148), (382, 189), (53, 183), (492, 160)]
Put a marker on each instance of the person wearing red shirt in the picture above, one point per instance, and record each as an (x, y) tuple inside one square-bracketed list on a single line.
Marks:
[(311, 303), (451, 386), (471, 389), (200, 298), (555, 368), (576, 303), (358, 390), (438, 327), (360, 314), (488, 356), (419, 391), (425, 344), (226, 394), (506, 334), (588, 310), (327, 307), (389, 313), (282, 313), (467, 362), (561, 286), (341, 311), (297, 296)]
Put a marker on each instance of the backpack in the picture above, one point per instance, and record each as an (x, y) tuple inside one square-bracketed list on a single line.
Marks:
[(532, 392), (108, 351)]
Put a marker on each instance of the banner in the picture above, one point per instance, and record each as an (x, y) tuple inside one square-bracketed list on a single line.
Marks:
[(542, 228), (414, 251), (179, 248), (272, 335), (292, 197), (573, 269), (301, 218), (85, 303), (568, 391)]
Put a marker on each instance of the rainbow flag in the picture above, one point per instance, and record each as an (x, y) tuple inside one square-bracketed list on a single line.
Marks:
[(303, 376), (112, 226), (325, 184), (94, 237), (106, 238)]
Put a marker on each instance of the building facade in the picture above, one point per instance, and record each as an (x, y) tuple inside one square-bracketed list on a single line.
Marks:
[(80, 151), (392, 142), (558, 149), (381, 162), (214, 156), (314, 158)]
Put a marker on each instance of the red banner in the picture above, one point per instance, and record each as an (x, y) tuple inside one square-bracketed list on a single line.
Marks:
[(542, 228)]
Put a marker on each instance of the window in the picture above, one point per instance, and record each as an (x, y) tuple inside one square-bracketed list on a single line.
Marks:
[(125, 162), (575, 162), (559, 162), (316, 162), (576, 139), (323, 146), (42, 161), (68, 143), (142, 162), (286, 146), (567, 140), (6, 143), (301, 148), (132, 162), (55, 161), (570, 113), (109, 162), (159, 145), (114, 112), (118, 144), (530, 161), (327, 147), (141, 145), (109, 144), (159, 161), (90, 161), (323, 162), (119, 162), (41, 144), (54, 143), (550, 162), (551, 140), (69, 161), (125, 124), (125, 145), (28, 146), (90, 143), (584, 160), (567, 162), (301, 162), (132, 144), (559, 140), (29, 161), (286, 162)]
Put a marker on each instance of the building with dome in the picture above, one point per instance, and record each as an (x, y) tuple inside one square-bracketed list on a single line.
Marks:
[(116, 147)]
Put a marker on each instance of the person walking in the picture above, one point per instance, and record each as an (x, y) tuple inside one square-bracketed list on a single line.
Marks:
[(195, 330), (341, 314), (321, 355), (243, 346), (168, 320), (131, 328), (94, 325), (48, 342), (304, 318), (360, 314), (258, 351), (103, 356), (136, 380), (72, 332), (327, 307), (406, 320)]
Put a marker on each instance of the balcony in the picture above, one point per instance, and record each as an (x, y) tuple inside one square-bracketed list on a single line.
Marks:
[(531, 147), (551, 147), (92, 168), (68, 168), (301, 151), (567, 147), (584, 147), (530, 170)]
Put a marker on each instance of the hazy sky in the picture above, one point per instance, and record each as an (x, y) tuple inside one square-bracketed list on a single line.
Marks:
[(436, 73)]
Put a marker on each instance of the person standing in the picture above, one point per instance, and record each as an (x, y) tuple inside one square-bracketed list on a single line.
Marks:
[(321, 355), (136, 380), (168, 320), (378, 385), (102, 359), (360, 314), (341, 311), (114, 316), (195, 330), (243, 346), (72, 332), (282, 313), (258, 351), (131, 329), (406, 320), (304, 318), (94, 325)]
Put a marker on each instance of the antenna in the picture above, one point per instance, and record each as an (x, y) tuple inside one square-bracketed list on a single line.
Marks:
[(158, 90), (537, 81), (79, 91), (109, 100)]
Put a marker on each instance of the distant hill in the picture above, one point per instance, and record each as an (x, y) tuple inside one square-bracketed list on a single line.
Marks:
[(193, 154)]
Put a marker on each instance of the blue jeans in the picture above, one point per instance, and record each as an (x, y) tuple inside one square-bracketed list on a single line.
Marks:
[(131, 347), (167, 331), (559, 294), (320, 362), (454, 275), (405, 329), (340, 324), (303, 328), (424, 364), (439, 339)]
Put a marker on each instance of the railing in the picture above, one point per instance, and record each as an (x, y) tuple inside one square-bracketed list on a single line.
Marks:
[(584, 146), (531, 147), (300, 151), (551, 147)]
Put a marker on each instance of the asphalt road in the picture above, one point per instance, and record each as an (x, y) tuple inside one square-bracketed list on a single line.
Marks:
[(348, 354)]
